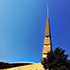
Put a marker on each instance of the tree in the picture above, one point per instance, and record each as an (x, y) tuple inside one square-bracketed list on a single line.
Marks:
[(68, 64), (55, 59)]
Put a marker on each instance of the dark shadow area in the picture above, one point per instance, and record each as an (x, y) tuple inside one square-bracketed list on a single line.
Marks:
[(10, 65)]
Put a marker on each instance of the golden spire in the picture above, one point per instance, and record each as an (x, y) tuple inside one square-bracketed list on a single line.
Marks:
[(47, 38), (47, 28)]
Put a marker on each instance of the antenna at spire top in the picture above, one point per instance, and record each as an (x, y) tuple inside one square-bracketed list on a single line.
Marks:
[(47, 11)]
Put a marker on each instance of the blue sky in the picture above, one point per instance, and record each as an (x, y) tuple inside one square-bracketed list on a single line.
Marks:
[(22, 26)]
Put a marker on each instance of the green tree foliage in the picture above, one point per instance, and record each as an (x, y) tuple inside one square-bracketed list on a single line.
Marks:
[(68, 64), (55, 59)]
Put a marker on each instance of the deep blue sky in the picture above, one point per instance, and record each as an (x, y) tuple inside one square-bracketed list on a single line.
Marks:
[(22, 26)]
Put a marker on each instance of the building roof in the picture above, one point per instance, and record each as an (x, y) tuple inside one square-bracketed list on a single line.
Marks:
[(10, 65)]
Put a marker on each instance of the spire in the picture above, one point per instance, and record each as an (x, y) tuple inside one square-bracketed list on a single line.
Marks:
[(47, 28), (47, 46), (47, 11)]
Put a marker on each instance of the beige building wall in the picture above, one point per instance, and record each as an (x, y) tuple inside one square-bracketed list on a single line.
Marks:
[(37, 66)]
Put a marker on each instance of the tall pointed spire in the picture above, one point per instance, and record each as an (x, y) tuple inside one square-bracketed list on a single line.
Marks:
[(47, 28), (47, 37)]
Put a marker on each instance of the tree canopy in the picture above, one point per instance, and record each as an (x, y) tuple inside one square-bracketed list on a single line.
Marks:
[(55, 59)]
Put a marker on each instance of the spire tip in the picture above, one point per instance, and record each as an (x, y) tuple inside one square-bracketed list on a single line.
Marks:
[(47, 11)]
